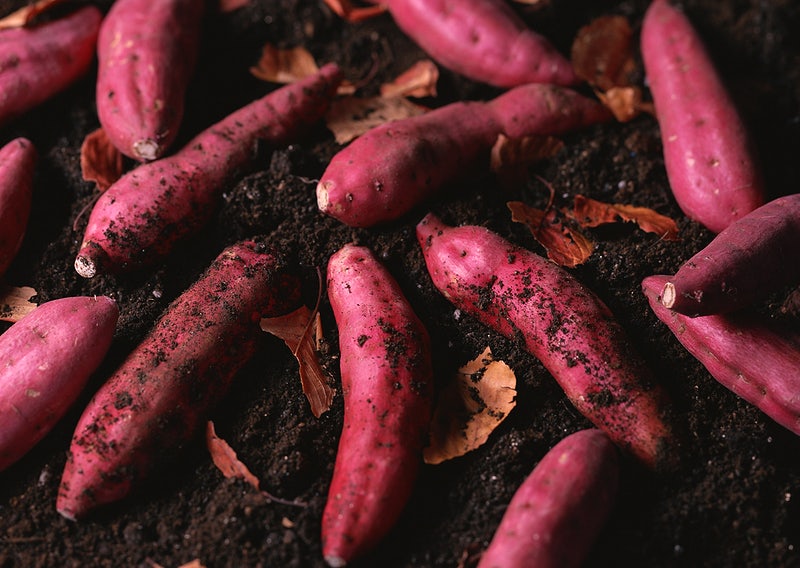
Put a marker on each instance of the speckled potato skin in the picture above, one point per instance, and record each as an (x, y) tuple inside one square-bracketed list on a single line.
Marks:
[(567, 327), (160, 396), (710, 160), (146, 54), (387, 382), (46, 358), (17, 162), (37, 63)]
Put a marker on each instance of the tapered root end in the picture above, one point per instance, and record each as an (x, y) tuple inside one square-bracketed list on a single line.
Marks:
[(323, 199), (90, 260), (146, 150), (668, 295), (335, 561)]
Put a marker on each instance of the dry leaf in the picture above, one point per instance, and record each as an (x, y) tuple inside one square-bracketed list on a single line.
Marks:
[(232, 5), (284, 65), (350, 117), (418, 81), (602, 52), (470, 407), (224, 457), (592, 213), (301, 331), (25, 15), (625, 103), (15, 303), (564, 245), (347, 11), (101, 162), (510, 157), (193, 564)]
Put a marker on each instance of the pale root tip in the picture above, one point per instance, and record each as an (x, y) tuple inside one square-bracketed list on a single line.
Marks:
[(668, 295), (146, 150), (66, 513), (323, 201), (85, 267), (335, 561)]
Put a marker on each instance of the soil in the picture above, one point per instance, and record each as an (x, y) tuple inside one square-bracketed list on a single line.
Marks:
[(733, 501)]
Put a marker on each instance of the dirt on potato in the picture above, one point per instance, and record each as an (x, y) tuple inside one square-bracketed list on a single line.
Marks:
[(733, 501)]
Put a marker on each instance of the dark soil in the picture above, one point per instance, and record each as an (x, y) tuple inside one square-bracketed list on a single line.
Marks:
[(732, 502)]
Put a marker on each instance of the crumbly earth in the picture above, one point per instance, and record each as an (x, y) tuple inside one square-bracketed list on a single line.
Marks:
[(732, 502)]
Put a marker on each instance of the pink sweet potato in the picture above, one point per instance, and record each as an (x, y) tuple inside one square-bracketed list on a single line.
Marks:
[(484, 40), (710, 160), (752, 358), (146, 54), (393, 167), (557, 513), (162, 393), (139, 218), (387, 390), (17, 162), (39, 62), (754, 256), (46, 359), (568, 328)]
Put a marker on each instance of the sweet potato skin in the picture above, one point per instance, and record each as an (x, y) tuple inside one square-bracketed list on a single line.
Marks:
[(139, 219), (46, 359), (754, 256), (162, 393), (146, 54), (390, 169), (749, 357), (483, 40), (566, 326), (708, 154), (37, 63), (17, 162), (387, 389), (558, 511)]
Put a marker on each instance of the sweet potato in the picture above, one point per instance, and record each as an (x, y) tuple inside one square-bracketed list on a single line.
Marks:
[(387, 171), (37, 63), (754, 256), (558, 511), (709, 157), (17, 162), (386, 385), (146, 54), (567, 327), (46, 359), (484, 40), (157, 399), (752, 358), (139, 218)]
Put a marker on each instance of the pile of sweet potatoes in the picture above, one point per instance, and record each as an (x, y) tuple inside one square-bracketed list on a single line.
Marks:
[(412, 259)]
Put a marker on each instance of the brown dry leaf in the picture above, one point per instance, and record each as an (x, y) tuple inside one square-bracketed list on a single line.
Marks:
[(625, 103), (418, 81), (564, 245), (510, 157), (224, 457), (25, 15), (470, 407), (301, 330), (101, 162), (347, 11), (15, 303), (193, 564), (592, 213), (232, 5), (350, 117), (284, 65), (602, 52)]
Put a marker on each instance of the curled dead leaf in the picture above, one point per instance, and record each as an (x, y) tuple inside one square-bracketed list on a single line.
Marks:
[(470, 407), (566, 246), (511, 157), (625, 103), (350, 117), (301, 330), (592, 213), (27, 14), (602, 52), (101, 162), (351, 13), (417, 81), (225, 458), (232, 5), (15, 302), (284, 65)]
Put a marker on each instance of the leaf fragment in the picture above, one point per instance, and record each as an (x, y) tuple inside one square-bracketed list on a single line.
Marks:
[(225, 458), (27, 14), (350, 117), (346, 10), (101, 162), (232, 5), (511, 157), (15, 302), (284, 65), (566, 246), (592, 213), (417, 81), (470, 407)]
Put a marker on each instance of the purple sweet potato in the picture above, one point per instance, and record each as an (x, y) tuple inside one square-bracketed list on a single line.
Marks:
[(139, 218), (46, 359), (557, 513), (146, 54), (750, 357), (17, 162), (38, 62), (387, 389), (484, 40), (384, 173), (520, 294), (709, 157), (161, 395), (754, 256)]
